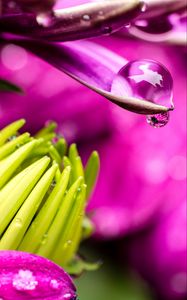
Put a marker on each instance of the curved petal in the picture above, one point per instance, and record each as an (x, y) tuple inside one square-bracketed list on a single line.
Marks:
[(27, 276), (155, 8), (171, 37), (169, 28), (78, 22), (91, 65)]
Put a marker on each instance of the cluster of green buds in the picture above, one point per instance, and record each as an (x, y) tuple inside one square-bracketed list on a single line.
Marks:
[(44, 189)]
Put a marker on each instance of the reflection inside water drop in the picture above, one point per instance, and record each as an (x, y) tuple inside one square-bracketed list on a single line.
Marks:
[(148, 80), (158, 120)]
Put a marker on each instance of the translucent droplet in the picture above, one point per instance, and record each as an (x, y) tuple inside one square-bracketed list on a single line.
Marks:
[(67, 244), (128, 25), (148, 80), (144, 6), (11, 138), (44, 239), (67, 296), (44, 19), (86, 18), (24, 280), (54, 284), (106, 30), (18, 222)]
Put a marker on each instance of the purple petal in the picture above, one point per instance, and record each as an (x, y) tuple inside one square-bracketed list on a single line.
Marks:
[(35, 6), (172, 30), (79, 22), (155, 8), (91, 65), (27, 276), (170, 27), (160, 254)]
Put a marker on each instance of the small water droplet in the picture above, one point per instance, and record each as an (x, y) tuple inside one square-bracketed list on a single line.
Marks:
[(44, 239), (67, 296), (24, 280), (144, 6), (11, 138), (54, 284), (67, 244), (86, 18), (18, 222), (44, 20), (128, 25), (107, 30), (148, 80)]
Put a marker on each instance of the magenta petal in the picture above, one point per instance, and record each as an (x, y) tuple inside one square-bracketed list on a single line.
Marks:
[(34, 6), (91, 65), (160, 254), (27, 276), (170, 27), (78, 22), (156, 8)]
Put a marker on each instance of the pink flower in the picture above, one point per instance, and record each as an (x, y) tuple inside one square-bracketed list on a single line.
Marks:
[(160, 254), (28, 276)]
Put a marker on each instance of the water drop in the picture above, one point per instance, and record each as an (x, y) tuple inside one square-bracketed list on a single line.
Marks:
[(67, 296), (24, 280), (86, 18), (128, 25), (44, 239), (18, 222), (54, 284), (67, 244), (11, 138), (106, 30), (148, 80), (144, 7), (44, 20)]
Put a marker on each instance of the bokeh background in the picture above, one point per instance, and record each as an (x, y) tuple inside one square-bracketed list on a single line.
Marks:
[(139, 204)]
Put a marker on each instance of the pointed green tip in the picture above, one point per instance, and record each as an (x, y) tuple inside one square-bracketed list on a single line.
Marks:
[(46, 188)]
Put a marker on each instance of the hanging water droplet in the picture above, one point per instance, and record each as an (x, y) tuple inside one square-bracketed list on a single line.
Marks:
[(148, 80), (158, 120)]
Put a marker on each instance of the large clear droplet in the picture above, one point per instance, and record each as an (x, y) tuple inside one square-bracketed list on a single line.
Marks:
[(149, 80)]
